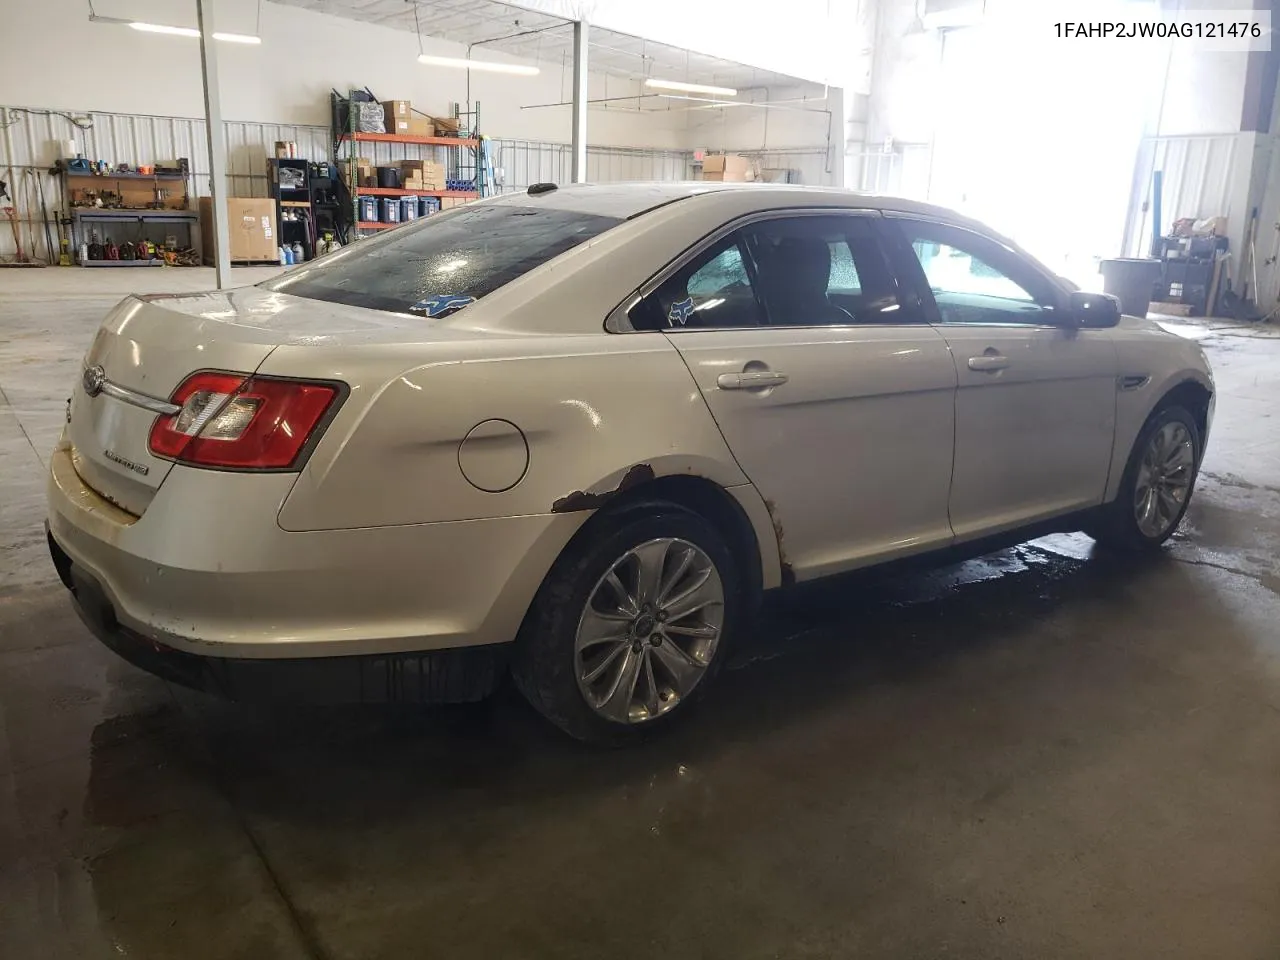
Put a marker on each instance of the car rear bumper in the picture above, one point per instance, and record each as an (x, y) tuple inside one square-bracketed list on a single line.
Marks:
[(207, 571), (456, 675)]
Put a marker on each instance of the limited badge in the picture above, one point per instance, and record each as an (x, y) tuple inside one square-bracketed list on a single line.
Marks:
[(680, 312), (439, 306)]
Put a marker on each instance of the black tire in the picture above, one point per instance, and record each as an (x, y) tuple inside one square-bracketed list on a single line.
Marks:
[(1117, 525), (543, 664)]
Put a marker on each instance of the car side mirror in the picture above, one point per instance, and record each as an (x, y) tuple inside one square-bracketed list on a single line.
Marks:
[(1093, 310)]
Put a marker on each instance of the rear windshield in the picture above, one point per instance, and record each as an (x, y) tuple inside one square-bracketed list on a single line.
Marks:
[(438, 265)]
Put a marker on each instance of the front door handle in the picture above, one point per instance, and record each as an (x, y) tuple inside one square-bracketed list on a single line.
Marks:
[(751, 380), (990, 363)]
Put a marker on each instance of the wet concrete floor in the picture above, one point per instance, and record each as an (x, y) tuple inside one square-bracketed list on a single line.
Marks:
[(1041, 753)]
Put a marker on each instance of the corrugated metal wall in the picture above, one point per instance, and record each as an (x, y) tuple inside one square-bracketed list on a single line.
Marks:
[(1199, 174), (807, 165), (1268, 231), (30, 142), (525, 162), (902, 172)]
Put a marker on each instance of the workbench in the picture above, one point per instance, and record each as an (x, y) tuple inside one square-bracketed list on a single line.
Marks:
[(135, 220)]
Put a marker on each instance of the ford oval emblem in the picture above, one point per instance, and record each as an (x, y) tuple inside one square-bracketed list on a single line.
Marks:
[(93, 380)]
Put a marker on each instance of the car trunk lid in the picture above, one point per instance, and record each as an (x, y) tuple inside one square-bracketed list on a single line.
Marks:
[(141, 353), (148, 345)]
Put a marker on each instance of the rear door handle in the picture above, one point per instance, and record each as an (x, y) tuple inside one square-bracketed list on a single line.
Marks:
[(751, 380), (991, 363)]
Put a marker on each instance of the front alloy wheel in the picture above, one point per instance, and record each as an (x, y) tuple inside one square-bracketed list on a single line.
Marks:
[(1164, 480), (1157, 483), (649, 630)]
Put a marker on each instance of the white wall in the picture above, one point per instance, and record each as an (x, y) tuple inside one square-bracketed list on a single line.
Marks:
[(1204, 94), (800, 119), (1068, 130), (801, 38), (54, 57)]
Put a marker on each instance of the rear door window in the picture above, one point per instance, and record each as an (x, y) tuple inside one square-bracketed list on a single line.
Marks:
[(823, 270), (804, 271), (439, 265)]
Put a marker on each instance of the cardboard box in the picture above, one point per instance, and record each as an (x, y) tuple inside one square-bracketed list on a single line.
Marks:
[(446, 126), (364, 168), (726, 167), (725, 163), (395, 110), (421, 126), (422, 174), (251, 223)]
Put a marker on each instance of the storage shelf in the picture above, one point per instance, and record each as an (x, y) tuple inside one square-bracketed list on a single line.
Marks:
[(112, 175), (122, 263), (406, 138), (106, 214), (395, 192), (373, 225)]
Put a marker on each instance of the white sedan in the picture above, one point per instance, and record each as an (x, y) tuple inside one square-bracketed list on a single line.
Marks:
[(574, 433)]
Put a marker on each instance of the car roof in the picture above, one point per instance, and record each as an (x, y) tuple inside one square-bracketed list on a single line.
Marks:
[(632, 198)]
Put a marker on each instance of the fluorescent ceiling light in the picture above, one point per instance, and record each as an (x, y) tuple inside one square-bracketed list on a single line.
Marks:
[(690, 87), (711, 100), (191, 32), (492, 66), (165, 28)]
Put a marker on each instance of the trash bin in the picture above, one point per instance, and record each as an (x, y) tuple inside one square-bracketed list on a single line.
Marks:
[(1132, 280)]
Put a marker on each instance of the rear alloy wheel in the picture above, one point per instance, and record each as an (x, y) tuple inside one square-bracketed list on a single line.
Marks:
[(649, 630), (631, 624), (1157, 484)]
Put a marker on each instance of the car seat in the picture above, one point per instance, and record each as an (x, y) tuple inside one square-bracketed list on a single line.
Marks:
[(794, 275)]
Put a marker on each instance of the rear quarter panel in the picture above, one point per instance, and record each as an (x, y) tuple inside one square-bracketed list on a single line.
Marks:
[(595, 413)]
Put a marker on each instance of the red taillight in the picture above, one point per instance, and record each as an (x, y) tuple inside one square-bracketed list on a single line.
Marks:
[(246, 423)]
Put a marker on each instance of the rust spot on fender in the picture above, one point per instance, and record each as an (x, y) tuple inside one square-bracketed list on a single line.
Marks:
[(788, 575), (579, 500)]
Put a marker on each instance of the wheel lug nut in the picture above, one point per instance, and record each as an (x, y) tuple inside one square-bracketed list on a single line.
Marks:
[(637, 647), (656, 639)]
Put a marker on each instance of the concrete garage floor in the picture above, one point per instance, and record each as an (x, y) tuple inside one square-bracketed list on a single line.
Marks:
[(1042, 753)]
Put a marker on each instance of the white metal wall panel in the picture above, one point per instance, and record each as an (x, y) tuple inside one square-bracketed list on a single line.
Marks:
[(1197, 181), (812, 166), (525, 162), (29, 144), (902, 172), (1268, 230)]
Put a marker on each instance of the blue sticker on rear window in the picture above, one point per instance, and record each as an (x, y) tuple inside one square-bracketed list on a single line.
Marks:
[(680, 312), (438, 306)]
